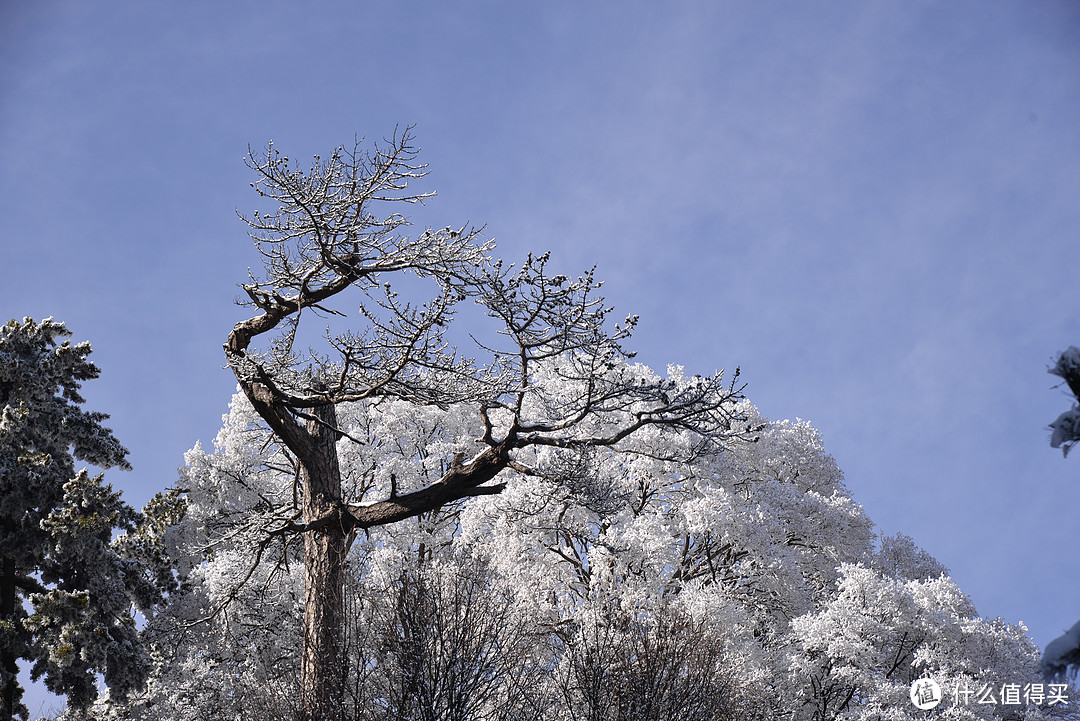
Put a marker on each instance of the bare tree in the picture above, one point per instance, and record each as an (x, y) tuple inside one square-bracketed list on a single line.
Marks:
[(447, 643), (649, 666), (327, 235)]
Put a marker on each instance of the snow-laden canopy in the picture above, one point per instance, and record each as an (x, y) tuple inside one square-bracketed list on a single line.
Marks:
[(741, 583)]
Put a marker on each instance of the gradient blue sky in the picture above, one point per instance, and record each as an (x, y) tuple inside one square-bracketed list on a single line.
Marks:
[(872, 208)]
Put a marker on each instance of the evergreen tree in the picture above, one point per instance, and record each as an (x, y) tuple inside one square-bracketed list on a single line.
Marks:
[(66, 587), (1066, 428)]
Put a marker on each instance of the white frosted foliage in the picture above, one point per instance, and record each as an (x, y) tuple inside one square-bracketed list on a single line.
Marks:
[(752, 547)]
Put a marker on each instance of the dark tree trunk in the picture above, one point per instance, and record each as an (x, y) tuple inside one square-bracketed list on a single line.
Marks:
[(7, 657), (324, 561)]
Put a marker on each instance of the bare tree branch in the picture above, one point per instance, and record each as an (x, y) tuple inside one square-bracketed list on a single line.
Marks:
[(558, 377)]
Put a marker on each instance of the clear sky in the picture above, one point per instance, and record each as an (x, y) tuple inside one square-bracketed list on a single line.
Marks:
[(872, 208)]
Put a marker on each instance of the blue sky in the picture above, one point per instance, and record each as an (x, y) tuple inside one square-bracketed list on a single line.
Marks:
[(872, 208)]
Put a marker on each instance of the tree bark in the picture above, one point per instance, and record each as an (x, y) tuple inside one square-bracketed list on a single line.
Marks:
[(321, 673), (7, 658)]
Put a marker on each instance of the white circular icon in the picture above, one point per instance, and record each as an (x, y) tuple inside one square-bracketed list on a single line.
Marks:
[(925, 693)]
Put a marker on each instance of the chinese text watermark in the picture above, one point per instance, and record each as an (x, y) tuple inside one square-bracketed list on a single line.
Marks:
[(926, 694)]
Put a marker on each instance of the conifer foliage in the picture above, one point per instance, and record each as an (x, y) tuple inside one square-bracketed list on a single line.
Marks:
[(57, 553), (1066, 427)]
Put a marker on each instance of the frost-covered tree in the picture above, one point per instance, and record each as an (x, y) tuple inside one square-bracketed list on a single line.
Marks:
[(1063, 653), (445, 641), (1066, 428), (1061, 658), (898, 557), (551, 379), (67, 589), (743, 583), (414, 607), (387, 527), (857, 656)]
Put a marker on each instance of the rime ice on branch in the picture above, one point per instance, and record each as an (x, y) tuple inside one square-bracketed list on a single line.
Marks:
[(67, 587), (336, 229), (1066, 428)]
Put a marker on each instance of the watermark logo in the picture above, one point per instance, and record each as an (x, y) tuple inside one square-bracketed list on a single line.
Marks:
[(925, 693)]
